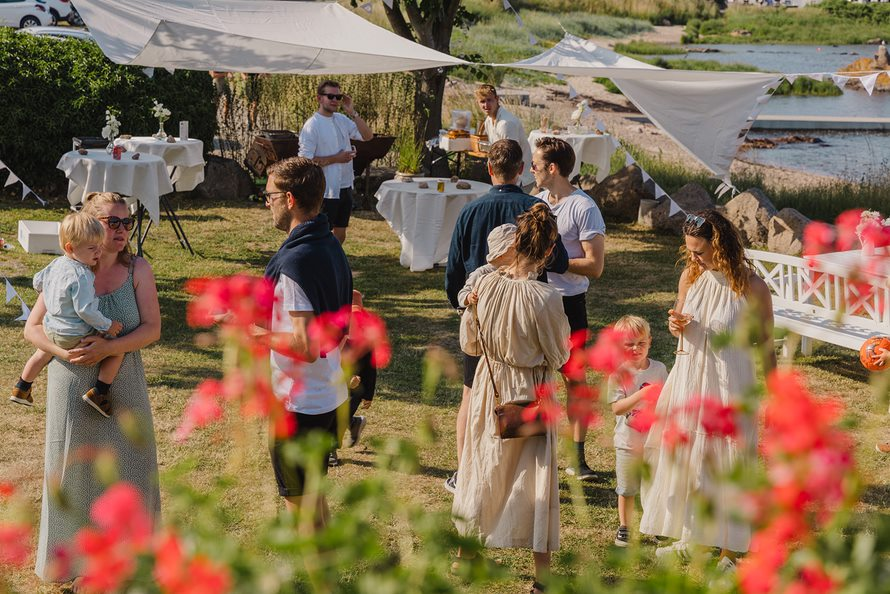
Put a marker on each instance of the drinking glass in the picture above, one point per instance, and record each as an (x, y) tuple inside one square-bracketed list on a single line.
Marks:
[(683, 320)]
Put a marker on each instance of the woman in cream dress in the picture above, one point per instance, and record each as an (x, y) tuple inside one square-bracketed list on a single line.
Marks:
[(507, 490), (689, 496)]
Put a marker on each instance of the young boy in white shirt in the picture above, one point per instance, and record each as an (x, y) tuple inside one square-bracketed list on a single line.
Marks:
[(625, 395), (72, 308)]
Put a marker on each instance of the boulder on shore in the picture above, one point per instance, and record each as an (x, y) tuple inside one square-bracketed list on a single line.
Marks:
[(786, 232), (690, 198), (619, 195), (751, 212), (879, 62), (225, 180)]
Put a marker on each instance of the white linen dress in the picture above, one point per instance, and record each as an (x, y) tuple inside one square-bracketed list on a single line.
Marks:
[(508, 490), (688, 496)]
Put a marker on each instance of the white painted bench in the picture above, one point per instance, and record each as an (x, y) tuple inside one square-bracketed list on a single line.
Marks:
[(820, 302)]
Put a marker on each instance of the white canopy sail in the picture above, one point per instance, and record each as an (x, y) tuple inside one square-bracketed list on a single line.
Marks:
[(251, 36), (705, 112)]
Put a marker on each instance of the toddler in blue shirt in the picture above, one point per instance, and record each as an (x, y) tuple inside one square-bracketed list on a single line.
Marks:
[(72, 308)]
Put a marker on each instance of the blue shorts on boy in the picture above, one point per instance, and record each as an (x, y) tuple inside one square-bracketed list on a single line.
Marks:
[(628, 441)]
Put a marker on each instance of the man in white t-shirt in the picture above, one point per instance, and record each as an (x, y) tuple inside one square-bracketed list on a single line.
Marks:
[(312, 277), (583, 232), (500, 124), (326, 138)]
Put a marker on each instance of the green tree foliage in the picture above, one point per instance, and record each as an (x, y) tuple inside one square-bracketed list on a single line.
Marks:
[(52, 90)]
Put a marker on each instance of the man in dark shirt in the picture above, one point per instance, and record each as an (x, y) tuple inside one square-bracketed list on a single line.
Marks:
[(469, 246)]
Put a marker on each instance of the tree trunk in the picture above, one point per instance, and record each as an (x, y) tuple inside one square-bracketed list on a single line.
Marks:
[(428, 96)]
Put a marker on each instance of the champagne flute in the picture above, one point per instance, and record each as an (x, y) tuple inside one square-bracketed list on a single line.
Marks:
[(681, 319)]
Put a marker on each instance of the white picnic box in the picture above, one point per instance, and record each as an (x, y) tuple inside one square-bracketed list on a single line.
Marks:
[(40, 237)]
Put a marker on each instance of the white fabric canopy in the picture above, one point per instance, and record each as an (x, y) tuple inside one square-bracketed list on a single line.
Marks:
[(704, 112), (253, 36)]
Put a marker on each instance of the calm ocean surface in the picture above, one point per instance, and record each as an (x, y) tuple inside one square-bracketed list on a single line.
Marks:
[(852, 155)]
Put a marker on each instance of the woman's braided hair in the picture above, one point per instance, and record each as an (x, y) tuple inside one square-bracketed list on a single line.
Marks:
[(729, 251), (536, 232)]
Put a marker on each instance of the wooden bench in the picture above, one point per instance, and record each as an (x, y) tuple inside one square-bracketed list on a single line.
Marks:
[(821, 302)]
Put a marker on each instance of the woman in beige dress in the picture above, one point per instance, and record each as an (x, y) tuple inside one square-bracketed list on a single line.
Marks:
[(507, 490)]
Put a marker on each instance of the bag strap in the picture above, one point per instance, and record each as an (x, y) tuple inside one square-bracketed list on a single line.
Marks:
[(494, 385)]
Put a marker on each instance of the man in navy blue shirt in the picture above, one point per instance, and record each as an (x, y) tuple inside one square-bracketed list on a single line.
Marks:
[(469, 246)]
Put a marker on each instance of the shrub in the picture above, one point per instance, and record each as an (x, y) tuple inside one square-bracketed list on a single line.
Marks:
[(53, 90)]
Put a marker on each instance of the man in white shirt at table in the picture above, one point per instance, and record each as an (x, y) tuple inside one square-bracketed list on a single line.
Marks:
[(500, 124), (326, 138)]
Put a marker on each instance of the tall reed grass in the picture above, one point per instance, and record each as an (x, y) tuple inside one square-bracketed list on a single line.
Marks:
[(655, 11)]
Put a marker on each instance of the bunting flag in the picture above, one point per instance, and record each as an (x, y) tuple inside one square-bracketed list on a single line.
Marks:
[(367, 7), (388, 4), (659, 193), (572, 92), (840, 80), (646, 176), (519, 20), (507, 5), (791, 78), (149, 72), (560, 77), (868, 82), (25, 312), (615, 143), (532, 39), (817, 76), (628, 160), (13, 178), (170, 70), (601, 126), (10, 291), (674, 207), (724, 187)]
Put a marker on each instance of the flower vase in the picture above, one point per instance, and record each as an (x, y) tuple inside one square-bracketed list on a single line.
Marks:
[(110, 146), (160, 134)]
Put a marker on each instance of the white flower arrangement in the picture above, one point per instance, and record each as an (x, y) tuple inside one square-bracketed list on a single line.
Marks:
[(112, 126), (868, 219), (160, 112)]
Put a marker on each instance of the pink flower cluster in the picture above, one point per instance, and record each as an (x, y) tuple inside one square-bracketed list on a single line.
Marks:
[(122, 533), (808, 459), (15, 535), (242, 307)]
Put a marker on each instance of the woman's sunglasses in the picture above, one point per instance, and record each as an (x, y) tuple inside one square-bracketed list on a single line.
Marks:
[(116, 222), (695, 220)]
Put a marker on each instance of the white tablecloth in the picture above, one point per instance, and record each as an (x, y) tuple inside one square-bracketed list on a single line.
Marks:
[(184, 158), (145, 179), (424, 218), (596, 149)]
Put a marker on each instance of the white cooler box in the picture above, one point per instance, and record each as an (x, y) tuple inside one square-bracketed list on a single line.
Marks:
[(454, 144), (40, 237)]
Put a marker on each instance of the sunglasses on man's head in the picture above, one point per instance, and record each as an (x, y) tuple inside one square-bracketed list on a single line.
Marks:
[(695, 220), (116, 222), (332, 96)]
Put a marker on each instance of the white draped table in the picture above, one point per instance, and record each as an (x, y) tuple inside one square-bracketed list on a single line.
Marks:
[(424, 219), (596, 149), (184, 158), (185, 166), (141, 181)]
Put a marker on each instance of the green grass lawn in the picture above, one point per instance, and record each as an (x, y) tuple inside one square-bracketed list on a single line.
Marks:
[(640, 277)]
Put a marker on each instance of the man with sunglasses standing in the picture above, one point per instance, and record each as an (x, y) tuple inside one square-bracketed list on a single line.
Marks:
[(326, 138), (583, 231)]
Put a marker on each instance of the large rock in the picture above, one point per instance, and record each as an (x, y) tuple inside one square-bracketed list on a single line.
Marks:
[(751, 212), (619, 195), (786, 232), (690, 198), (225, 180)]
